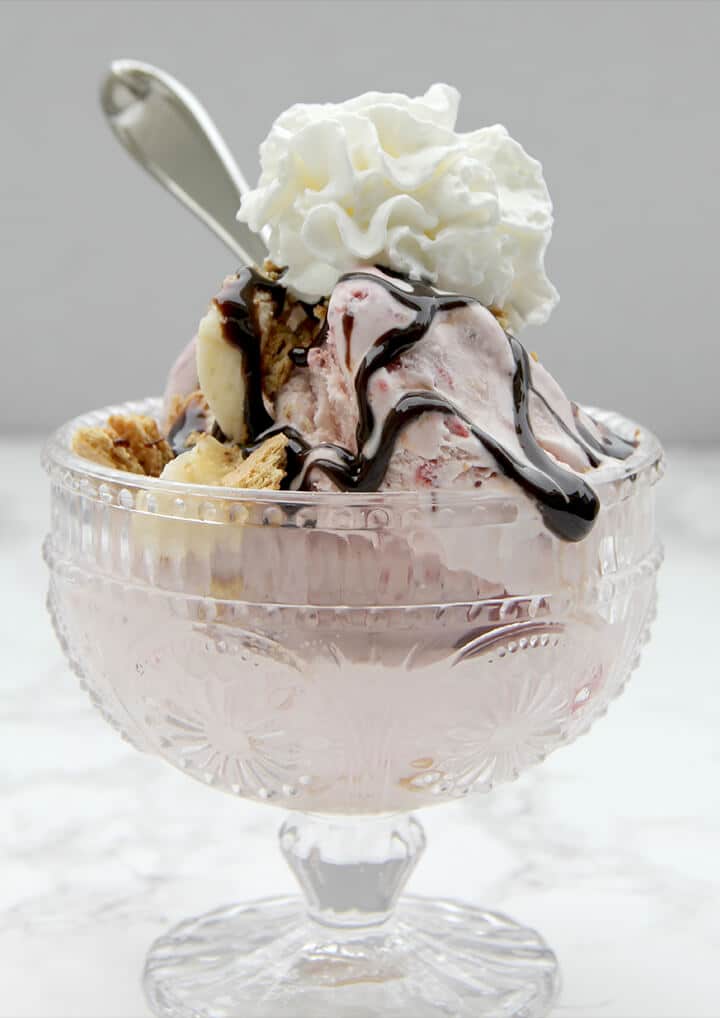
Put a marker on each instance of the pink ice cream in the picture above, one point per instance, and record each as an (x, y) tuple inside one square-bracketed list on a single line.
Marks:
[(406, 388), (464, 356)]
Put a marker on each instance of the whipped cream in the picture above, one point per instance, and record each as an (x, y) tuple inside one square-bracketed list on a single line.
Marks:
[(384, 178)]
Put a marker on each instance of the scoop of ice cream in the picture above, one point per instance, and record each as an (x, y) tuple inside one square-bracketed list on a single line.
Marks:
[(384, 178), (397, 385), (413, 388), (464, 356)]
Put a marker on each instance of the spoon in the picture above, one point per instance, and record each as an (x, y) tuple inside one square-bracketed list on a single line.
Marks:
[(164, 127)]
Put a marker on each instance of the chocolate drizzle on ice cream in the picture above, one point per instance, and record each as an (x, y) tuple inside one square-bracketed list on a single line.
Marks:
[(236, 307), (299, 355), (609, 444), (566, 501), (192, 419)]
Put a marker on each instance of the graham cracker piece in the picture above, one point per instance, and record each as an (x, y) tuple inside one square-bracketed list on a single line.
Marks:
[(264, 468), (133, 444), (297, 325), (271, 270), (501, 316)]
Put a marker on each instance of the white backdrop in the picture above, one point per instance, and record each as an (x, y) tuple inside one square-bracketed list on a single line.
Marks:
[(103, 277)]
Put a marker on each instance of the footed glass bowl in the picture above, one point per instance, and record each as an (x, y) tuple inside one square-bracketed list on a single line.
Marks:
[(349, 658)]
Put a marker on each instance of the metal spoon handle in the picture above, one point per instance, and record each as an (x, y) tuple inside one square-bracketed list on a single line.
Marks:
[(164, 127)]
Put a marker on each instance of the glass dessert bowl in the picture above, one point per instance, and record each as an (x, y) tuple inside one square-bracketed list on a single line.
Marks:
[(351, 658)]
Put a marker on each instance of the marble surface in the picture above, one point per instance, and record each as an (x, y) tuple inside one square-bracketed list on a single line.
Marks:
[(611, 847)]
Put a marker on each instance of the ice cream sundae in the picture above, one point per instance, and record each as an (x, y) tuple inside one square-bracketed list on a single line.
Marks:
[(364, 555), (376, 349)]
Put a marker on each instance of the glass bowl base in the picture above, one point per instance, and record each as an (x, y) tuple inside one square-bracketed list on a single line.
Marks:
[(267, 959)]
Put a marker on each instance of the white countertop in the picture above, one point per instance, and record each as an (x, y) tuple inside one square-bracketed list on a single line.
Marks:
[(611, 848)]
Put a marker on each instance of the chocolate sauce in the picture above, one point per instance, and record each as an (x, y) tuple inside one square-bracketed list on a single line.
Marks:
[(193, 418), (218, 433), (348, 323), (566, 502), (610, 444), (578, 439), (237, 311), (299, 354), (426, 302)]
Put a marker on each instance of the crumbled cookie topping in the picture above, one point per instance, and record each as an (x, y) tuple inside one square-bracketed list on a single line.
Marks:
[(296, 325), (503, 320), (134, 444), (272, 271), (264, 468)]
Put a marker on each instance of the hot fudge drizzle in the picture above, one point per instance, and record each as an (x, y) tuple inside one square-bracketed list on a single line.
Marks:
[(237, 312), (566, 501), (192, 419)]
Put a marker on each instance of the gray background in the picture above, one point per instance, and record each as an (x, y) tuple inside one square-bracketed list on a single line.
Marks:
[(103, 277)]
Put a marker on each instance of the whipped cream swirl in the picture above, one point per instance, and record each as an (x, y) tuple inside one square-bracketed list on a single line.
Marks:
[(387, 179)]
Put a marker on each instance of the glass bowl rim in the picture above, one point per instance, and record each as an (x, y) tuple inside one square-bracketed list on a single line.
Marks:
[(57, 456)]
